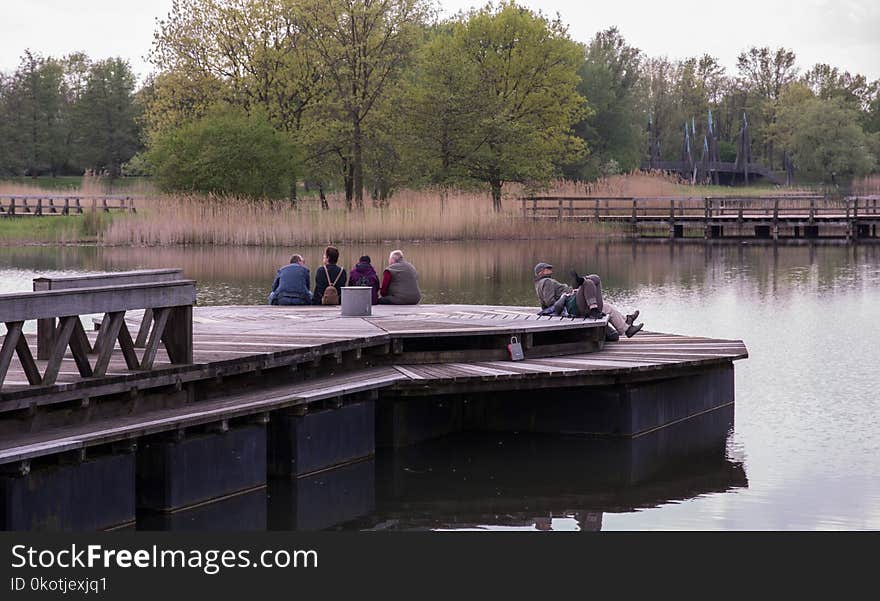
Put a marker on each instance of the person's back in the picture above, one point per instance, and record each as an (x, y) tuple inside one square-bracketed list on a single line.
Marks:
[(291, 285), (363, 274), (400, 284), (328, 274)]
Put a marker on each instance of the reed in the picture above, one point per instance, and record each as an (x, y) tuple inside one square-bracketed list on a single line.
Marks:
[(867, 186), (411, 216)]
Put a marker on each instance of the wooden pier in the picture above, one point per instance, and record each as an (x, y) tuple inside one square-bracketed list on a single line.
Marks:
[(772, 217), (237, 394), (45, 205)]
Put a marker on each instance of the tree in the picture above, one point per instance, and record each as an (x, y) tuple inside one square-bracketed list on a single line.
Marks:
[(362, 46), (106, 117), (829, 82), (251, 54), (511, 98), (825, 139), (227, 151), (11, 162), (611, 83), (37, 113), (664, 113), (764, 74)]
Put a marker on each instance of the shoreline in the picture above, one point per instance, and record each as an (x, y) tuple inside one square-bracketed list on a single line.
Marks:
[(660, 240)]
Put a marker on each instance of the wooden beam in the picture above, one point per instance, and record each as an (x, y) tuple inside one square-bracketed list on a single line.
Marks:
[(161, 316), (56, 356), (10, 342), (127, 347), (178, 335), (27, 362), (110, 327), (144, 330), (22, 306), (119, 278), (80, 348)]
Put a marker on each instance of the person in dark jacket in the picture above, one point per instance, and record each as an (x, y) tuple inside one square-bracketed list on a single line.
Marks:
[(291, 285), (400, 282), (328, 273), (363, 274)]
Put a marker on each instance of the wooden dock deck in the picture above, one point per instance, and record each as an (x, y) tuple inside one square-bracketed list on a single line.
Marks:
[(231, 340), (315, 390)]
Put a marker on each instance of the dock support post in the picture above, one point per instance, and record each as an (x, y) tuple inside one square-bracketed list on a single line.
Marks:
[(303, 442), (318, 501), (94, 494), (173, 474), (776, 219), (707, 211)]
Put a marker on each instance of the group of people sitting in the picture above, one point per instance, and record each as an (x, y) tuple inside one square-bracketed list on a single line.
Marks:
[(399, 284), (584, 300)]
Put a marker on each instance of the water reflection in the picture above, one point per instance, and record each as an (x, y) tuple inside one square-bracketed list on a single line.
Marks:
[(477, 272), (487, 481), (492, 481)]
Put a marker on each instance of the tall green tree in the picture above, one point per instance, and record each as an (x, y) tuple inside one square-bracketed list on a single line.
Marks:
[(248, 53), (614, 130), (512, 98), (106, 117), (665, 118), (362, 47), (825, 139), (37, 112), (829, 82), (764, 74)]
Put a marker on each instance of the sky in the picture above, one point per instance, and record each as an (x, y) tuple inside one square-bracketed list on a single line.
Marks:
[(843, 33)]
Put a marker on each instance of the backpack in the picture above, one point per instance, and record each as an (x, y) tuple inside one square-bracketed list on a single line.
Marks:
[(331, 294)]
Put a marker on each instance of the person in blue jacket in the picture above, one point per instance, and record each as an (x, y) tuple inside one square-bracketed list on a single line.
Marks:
[(291, 285)]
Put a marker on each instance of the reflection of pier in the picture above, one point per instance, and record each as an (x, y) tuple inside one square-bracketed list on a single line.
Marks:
[(483, 480), (525, 480), (210, 402)]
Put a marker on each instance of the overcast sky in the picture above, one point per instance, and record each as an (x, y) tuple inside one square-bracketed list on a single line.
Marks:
[(843, 33)]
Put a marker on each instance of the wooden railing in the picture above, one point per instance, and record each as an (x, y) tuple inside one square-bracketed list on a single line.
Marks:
[(171, 303), (635, 209), (46, 327), (43, 204)]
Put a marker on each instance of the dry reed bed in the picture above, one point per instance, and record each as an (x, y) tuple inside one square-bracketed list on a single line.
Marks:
[(190, 219), (411, 216)]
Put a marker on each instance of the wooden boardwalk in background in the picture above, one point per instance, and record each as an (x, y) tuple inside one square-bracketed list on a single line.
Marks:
[(45, 205), (793, 215)]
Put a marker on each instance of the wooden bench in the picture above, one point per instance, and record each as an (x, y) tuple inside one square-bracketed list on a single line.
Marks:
[(171, 304)]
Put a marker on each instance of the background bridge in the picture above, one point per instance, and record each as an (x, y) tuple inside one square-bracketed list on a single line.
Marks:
[(770, 217)]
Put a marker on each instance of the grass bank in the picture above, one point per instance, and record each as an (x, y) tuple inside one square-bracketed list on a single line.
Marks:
[(73, 229)]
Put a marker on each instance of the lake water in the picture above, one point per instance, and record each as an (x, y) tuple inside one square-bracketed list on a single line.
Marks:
[(801, 451)]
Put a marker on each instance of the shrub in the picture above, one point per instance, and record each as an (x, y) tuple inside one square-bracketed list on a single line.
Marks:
[(228, 152)]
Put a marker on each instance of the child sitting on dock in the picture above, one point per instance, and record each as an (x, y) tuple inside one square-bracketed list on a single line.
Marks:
[(586, 301)]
